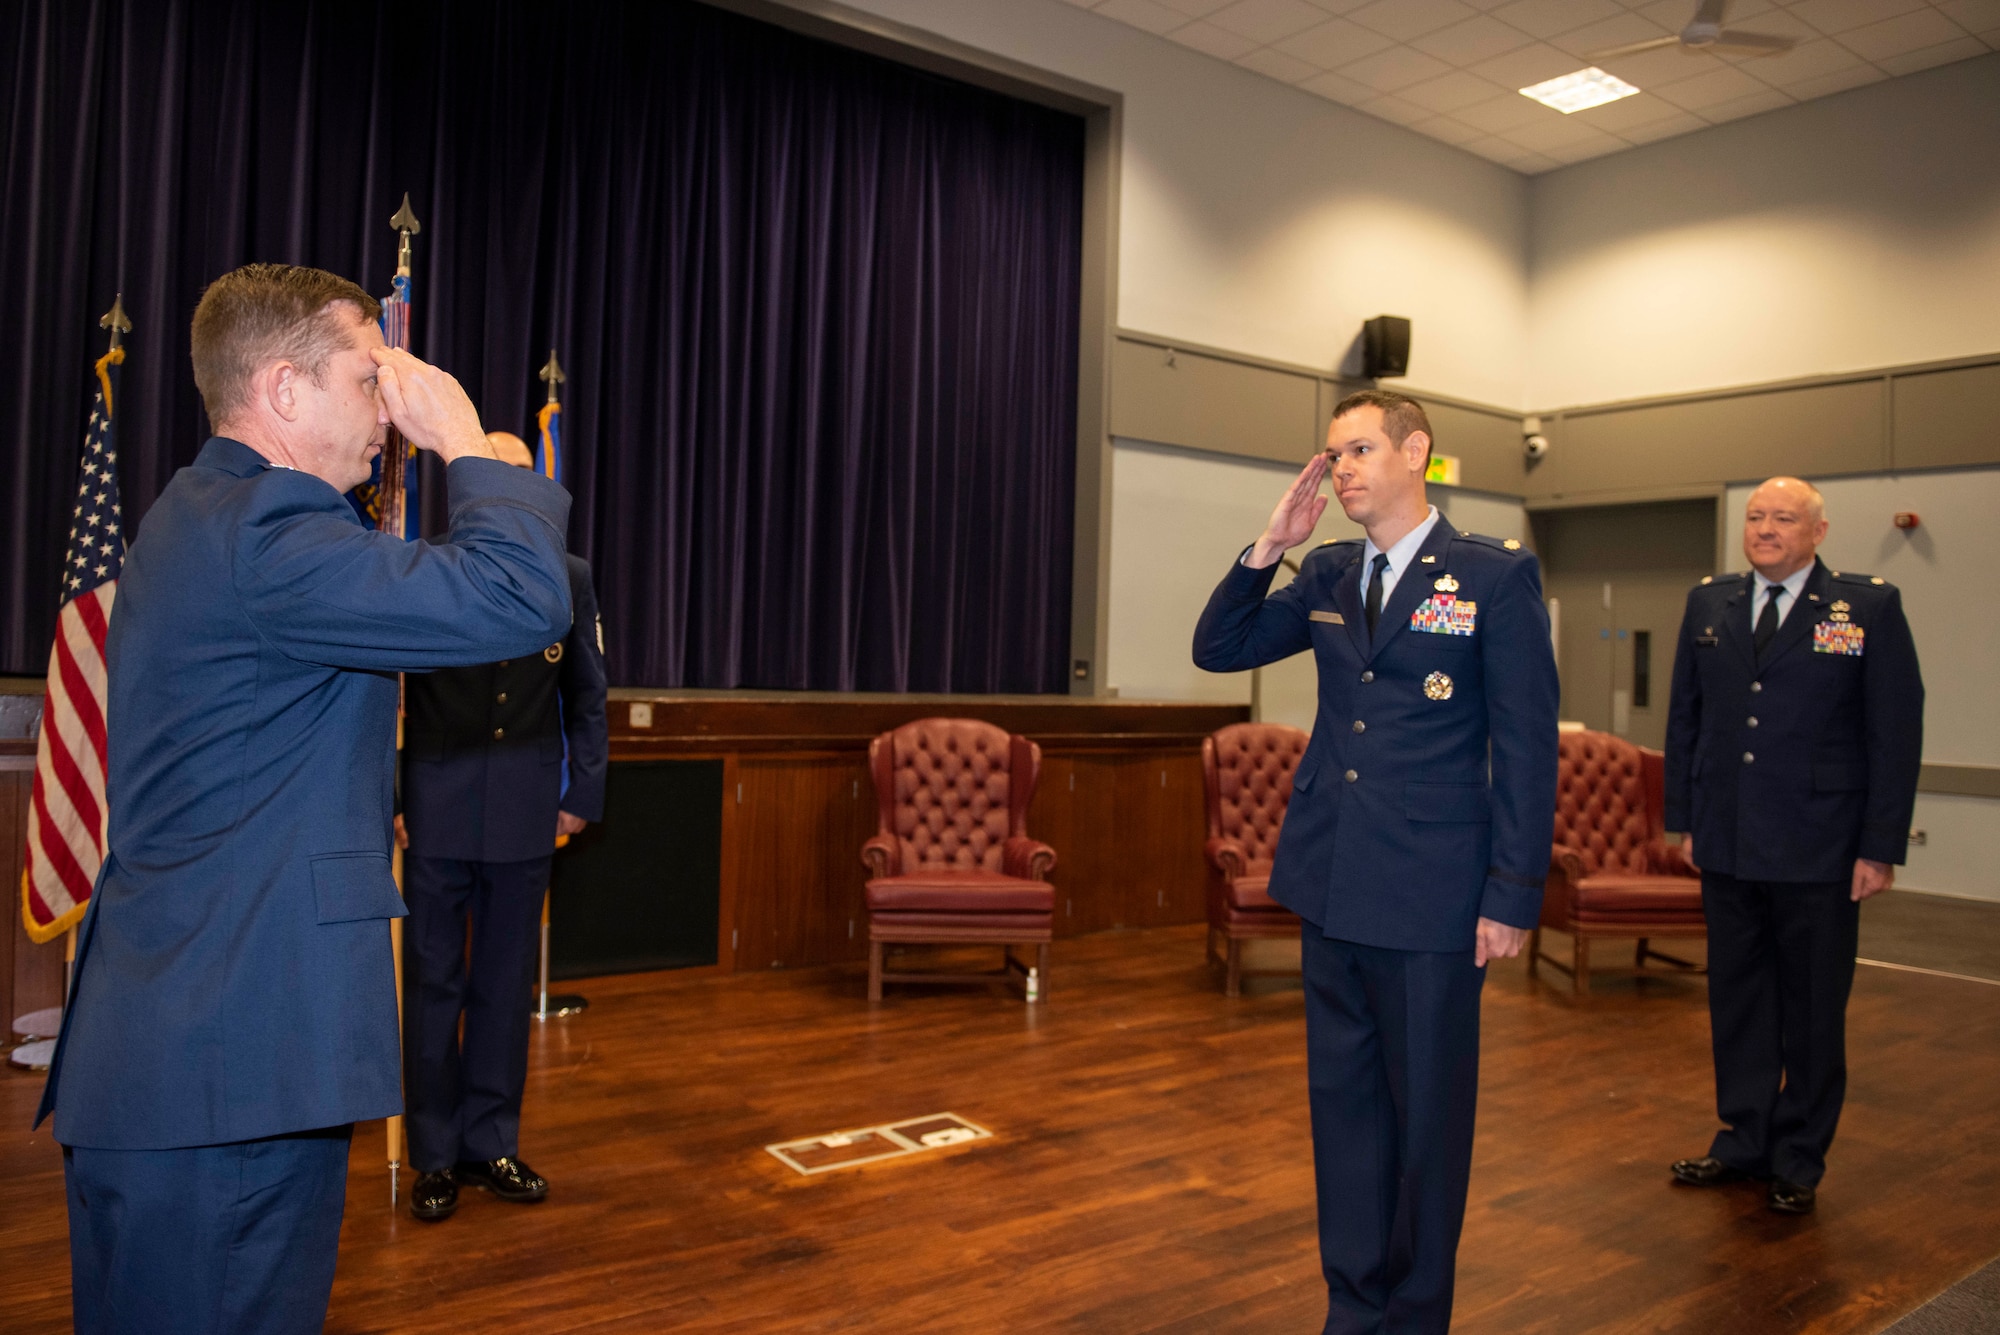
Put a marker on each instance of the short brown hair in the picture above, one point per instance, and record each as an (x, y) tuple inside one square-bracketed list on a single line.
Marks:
[(1401, 414), (262, 313)]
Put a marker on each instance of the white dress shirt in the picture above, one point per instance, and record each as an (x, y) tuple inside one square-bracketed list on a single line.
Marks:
[(1400, 555), (1791, 587)]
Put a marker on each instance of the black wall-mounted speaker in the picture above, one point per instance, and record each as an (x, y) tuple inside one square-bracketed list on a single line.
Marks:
[(1385, 347)]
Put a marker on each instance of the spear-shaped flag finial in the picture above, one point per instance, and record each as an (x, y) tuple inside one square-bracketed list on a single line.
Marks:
[(552, 373), (405, 222), (116, 321)]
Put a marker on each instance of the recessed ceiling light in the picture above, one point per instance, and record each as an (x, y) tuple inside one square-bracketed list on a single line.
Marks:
[(1580, 91)]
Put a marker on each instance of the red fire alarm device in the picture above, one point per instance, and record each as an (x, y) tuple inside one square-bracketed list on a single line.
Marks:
[(1907, 519)]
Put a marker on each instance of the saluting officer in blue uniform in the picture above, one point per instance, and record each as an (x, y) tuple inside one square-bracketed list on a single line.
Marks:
[(1794, 738), (498, 760), (234, 1009), (1416, 843)]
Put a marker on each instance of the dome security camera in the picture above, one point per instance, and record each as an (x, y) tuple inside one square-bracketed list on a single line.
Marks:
[(1536, 445)]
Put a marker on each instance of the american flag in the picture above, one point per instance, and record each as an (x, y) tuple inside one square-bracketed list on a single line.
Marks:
[(388, 499), (67, 815)]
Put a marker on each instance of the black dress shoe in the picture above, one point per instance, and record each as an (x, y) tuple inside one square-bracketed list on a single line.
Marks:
[(1706, 1172), (435, 1195), (509, 1179), (1791, 1198)]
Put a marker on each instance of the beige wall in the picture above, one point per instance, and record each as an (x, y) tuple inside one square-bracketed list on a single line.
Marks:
[(1262, 219), (1856, 231)]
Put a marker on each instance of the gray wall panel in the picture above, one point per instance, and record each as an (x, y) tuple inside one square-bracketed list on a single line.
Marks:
[(1176, 397), (1947, 419)]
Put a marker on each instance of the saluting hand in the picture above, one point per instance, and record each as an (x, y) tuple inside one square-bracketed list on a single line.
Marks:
[(1295, 518), (429, 406)]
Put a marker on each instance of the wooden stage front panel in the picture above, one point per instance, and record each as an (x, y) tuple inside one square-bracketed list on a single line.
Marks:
[(1120, 801)]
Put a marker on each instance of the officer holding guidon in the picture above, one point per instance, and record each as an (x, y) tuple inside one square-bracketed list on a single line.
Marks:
[(1794, 738), (1416, 841)]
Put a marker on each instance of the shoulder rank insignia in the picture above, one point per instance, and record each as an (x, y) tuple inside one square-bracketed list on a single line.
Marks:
[(1512, 544), (1708, 579), (553, 653), (1877, 579), (1437, 686), (1446, 584), (1839, 636)]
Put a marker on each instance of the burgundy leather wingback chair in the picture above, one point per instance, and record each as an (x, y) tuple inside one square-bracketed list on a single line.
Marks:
[(1246, 770), (951, 862), (1611, 870)]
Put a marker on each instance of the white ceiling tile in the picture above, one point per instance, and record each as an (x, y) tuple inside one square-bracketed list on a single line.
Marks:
[(1619, 30), (1808, 60), (1546, 18), (1504, 113), (1340, 7), (1736, 108), (1528, 66), (1472, 41), (1334, 43), (1451, 91), (1962, 48), (1655, 69), (1275, 64), (1391, 108), (1448, 129), (1677, 14), (1681, 122), (1265, 21), (1639, 109), (1145, 15), (1397, 67), (1894, 37), (1587, 149), (1405, 19), (1340, 88), (1082, 4), (1196, 9), (1719, 85), (1546, 135), (1972, 15), (1525, 161), (1838, 16), (1213, 41), (1836, 83)]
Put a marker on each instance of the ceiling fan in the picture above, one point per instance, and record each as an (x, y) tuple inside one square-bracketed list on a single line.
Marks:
[(1705, 32)]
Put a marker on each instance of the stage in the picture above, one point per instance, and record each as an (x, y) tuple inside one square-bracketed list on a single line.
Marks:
[(1148, 1170)]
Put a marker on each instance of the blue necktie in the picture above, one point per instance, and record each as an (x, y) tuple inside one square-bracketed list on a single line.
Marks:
[(1373, 607)]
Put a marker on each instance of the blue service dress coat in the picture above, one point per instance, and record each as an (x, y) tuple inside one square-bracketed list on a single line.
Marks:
[(233, 975), (1791, 770), (484, 747), (1426, 798)]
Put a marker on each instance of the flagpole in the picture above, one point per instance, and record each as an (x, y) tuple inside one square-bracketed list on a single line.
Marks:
[(394, 503)]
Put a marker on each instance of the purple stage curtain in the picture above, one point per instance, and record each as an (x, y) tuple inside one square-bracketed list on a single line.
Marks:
[(819, 310)]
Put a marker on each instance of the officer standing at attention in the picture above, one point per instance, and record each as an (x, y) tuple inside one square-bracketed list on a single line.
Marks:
[(1794, 738), (234, 1005), (485, 796), (1416, 842)]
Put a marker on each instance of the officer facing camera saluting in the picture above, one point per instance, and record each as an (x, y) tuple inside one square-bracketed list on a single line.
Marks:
[(1794, 738), (1416, 842)]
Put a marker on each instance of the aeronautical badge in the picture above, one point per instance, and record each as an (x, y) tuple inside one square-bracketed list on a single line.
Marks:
[(553, 653), (1445, 613), (1437, 686), (1838, 637)]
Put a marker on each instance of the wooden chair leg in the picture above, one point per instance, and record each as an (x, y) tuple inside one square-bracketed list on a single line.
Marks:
[(1233, 985), (1534, 950), (874, 970), (1639, 956), (1042, 967), (1580, 979), (1210, 944)]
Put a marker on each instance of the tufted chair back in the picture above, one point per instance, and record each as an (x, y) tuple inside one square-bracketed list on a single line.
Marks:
[(1247, 772), (953, 791), (1606, 810)]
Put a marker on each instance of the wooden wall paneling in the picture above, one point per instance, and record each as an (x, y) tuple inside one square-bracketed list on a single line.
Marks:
[(727, 937), (14, 787), (800, 880), (1174, 887), (36, 981), (1075, 812)]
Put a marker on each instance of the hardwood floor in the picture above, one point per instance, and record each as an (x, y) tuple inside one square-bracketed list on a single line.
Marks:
[(1150, 1170)]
